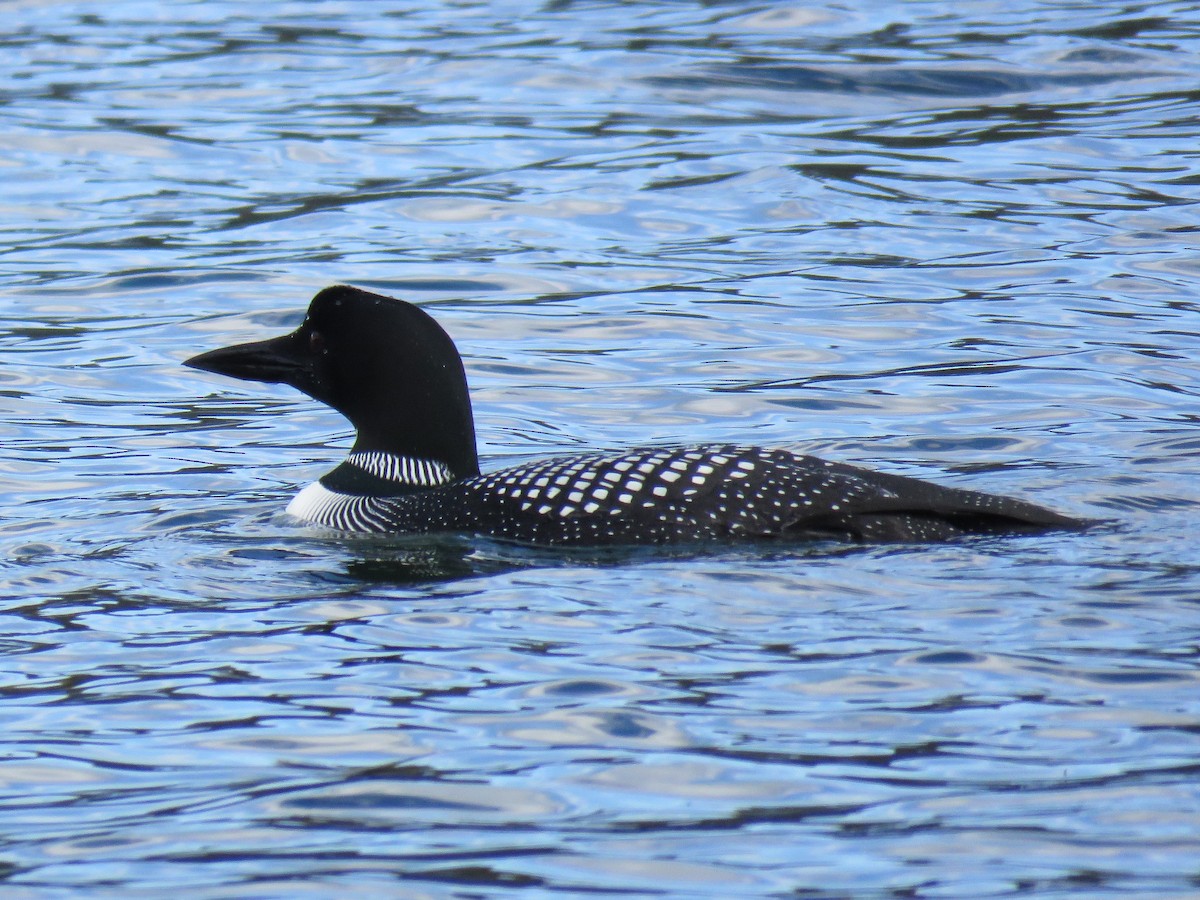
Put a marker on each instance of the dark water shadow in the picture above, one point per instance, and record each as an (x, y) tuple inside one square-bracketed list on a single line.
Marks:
[(413, 560), (910, 81)]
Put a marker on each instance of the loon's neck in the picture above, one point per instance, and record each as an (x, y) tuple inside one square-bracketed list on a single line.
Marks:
[(445, 436), (375, 473)]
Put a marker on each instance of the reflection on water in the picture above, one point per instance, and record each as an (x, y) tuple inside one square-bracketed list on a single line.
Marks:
[(952, 241)]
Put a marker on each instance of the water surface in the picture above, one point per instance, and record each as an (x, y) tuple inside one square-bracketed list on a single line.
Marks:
[(951, 240)]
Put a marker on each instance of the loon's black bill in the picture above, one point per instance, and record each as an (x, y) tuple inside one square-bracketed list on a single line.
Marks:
[(278, 360)]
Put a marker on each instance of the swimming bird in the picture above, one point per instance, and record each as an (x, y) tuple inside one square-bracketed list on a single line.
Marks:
[(390, 368)]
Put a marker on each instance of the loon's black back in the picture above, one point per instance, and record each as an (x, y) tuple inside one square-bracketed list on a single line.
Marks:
[(422, 475), (672, 495)]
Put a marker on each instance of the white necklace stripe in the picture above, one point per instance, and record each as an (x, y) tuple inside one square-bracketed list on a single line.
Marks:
[(402, 469)]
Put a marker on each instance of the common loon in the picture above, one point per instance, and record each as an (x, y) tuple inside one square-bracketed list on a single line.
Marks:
[(390, 369)]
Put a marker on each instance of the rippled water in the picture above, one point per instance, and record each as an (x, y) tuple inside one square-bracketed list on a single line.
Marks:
[(953, 240)]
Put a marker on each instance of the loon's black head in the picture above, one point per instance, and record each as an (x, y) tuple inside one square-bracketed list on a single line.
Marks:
[(384, 364)]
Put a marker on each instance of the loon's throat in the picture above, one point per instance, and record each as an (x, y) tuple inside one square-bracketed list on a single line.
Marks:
[(374, 473)]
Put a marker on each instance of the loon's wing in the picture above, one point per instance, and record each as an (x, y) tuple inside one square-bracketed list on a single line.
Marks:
[(876, 506), (659, 495)]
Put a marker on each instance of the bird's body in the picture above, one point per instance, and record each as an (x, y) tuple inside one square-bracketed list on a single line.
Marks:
[(397, 376)]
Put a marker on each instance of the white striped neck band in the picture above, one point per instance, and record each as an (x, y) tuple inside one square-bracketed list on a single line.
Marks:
[(401, 469)]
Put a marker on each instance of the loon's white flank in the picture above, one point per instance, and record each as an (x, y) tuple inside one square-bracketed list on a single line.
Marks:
[(345, 512)]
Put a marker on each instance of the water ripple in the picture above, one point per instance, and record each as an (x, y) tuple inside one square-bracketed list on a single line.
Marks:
[(952, 241)]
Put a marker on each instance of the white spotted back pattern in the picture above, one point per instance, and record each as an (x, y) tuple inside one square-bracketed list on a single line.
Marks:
[(666, 495)]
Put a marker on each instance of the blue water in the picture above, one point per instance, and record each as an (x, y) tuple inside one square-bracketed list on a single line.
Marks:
[(952, 240)]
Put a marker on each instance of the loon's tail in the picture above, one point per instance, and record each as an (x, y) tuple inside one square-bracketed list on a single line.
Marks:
[(901, 509)]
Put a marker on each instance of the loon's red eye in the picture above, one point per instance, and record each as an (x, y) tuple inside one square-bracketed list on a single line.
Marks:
[(316, 343)]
